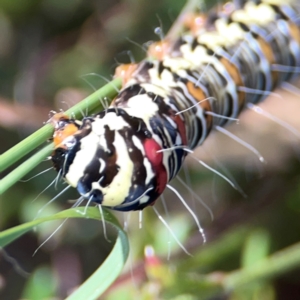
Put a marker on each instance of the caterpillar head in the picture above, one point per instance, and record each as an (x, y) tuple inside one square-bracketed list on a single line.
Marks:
[(111, 158)]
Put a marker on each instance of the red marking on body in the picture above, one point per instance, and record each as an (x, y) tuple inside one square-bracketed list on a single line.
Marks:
[(180, 128), (156, 159)]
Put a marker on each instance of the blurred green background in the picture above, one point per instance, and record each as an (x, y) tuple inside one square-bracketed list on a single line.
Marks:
[(50, 52)]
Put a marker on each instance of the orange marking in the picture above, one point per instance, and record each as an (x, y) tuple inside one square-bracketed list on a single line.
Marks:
[(60, 134), (125, 72), (159, 50), (56, 118), (295, 32), (195, 22), (199, 95), (236, 76), (269, 54), (62, 129), (267, 50)]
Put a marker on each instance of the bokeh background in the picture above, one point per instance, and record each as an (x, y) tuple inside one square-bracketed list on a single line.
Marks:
[(51, 53)]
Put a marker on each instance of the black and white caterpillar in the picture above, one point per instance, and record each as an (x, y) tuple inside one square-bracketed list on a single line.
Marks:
[(124, 156)]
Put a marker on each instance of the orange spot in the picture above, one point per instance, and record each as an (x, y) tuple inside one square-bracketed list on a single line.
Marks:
[(236, 76), (269, 54), (56, 118), (194, 22), (63, 128), (295, 31), (60, 134), (159, 50), (199, 95), (125, 72)]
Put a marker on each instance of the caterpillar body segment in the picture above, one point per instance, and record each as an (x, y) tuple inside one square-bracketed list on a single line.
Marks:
[(124, 157)]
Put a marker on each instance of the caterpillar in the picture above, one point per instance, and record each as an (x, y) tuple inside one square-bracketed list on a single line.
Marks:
[(124, 156), (69, 130)]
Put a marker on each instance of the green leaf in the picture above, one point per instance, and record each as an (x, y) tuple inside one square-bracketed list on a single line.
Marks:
[(107, 272)]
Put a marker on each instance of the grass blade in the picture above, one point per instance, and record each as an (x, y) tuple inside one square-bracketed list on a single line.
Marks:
[(94, 286)]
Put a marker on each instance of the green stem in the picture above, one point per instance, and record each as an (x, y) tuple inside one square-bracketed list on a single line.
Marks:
[(24, 168), (90, 103), (273, 266), (24, 147), (178, 25)]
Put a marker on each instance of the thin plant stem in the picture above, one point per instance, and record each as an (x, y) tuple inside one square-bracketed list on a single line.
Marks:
[(24, 168), (279, 263), (90, 104)]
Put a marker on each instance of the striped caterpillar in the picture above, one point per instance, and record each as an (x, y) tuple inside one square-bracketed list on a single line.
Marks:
[(124, 156)]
